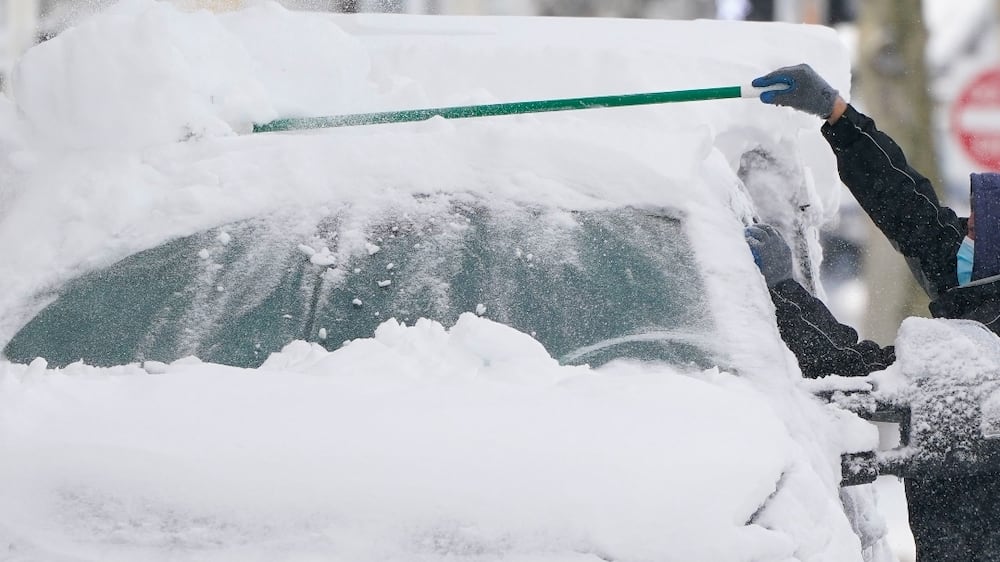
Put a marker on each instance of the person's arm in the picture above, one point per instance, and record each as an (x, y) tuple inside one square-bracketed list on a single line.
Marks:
[(822, 345), (900, 201)]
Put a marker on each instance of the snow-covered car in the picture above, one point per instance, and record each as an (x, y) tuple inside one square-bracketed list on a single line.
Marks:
[(532, 337)]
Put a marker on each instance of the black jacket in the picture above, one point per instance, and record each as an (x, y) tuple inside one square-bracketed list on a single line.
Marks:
[(951, 518), (903, 205)]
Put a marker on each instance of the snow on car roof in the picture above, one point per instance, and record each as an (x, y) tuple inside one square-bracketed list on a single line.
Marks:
[(117, 150)]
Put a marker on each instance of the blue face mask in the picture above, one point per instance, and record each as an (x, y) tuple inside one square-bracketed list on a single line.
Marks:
[(965, 255)]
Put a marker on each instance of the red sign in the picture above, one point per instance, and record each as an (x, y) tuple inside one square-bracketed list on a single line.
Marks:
[(975, 119)]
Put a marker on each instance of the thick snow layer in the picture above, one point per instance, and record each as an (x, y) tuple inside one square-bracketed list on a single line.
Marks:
[(420, 443), (123, 148), (130, 129), (946, 373)]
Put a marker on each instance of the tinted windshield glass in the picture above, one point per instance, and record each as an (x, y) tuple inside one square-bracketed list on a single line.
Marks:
[(590, 286)]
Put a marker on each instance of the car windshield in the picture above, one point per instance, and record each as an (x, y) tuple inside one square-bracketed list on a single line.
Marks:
[(591, 286)]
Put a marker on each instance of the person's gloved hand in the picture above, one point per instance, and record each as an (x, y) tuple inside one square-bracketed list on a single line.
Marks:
[(770, 252), (806, 90)]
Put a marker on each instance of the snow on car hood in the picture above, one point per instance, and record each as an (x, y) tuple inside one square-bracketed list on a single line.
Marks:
[(420, 443)]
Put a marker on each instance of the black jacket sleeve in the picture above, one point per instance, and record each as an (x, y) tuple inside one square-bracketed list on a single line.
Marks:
[(822, 345), (899, 200)]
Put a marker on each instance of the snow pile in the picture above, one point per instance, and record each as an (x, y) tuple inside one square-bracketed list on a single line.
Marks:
[(965, 348), (947, 373), (420, 443), (183, 75)]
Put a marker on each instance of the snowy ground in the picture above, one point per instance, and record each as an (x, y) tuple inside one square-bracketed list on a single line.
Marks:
[(425, 442)]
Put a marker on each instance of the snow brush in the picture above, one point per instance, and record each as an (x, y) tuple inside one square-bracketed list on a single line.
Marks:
[(512, 108)]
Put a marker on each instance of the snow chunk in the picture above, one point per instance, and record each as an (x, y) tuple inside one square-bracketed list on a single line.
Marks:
[(38, 364), (925, 345), (372, 248), (837, 383), (334, 275), (155, 367), (323, 257), (183, 75)]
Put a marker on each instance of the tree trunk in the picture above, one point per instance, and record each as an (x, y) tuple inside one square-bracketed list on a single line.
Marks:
[(892, 88)]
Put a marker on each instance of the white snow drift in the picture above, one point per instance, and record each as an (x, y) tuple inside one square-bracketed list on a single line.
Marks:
[(417, 443)]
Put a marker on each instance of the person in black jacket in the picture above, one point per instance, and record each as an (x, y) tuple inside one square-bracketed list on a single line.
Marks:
[(955, 260)]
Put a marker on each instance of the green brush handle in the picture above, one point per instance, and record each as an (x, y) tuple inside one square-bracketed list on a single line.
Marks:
[(513, 108)]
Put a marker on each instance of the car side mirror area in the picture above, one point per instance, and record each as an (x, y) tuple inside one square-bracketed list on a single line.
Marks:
[(857, 395), (948, 426)]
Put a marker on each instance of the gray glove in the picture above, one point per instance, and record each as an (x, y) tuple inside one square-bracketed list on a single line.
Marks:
[(806, 90), (770, 252)]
